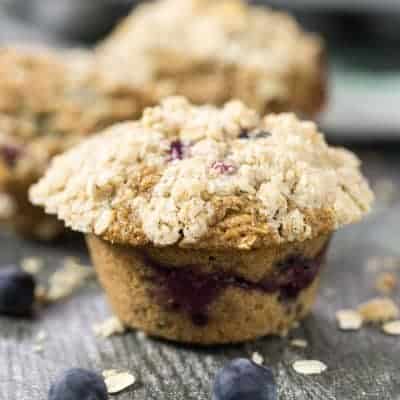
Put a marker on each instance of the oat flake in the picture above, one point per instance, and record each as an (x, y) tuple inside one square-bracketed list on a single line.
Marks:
[(257, 358), (349, 320), (392, 328), (309, 367), (301, 343), (118, 381), (109, 327)]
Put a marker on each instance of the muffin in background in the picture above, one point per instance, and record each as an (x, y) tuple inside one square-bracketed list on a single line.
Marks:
[(214, 51)]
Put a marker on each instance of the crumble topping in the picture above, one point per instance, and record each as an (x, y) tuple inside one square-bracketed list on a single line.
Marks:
[(288, 185), (48, 101), (213, 51)]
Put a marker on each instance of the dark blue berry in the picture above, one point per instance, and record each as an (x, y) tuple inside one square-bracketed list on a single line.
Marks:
[(10, 154), (242, 379), (78, 384), (17, 292)]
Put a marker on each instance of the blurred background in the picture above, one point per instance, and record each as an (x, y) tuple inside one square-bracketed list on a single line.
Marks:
[(362, 36)]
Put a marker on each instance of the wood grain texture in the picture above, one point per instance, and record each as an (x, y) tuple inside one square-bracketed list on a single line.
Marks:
[(361, 365)]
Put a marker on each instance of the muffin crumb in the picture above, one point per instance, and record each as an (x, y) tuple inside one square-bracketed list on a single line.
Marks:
[(386, 282), (380, 309)]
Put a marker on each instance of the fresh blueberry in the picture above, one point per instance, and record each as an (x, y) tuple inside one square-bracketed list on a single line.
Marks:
[(242, 379), (78, 384), (17, 292)]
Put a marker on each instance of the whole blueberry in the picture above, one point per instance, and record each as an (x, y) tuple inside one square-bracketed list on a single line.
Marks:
[(17, 292), (242, 379), (78, 384)]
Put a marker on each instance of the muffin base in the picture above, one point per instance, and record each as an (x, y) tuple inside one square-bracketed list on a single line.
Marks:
[(241, 309)]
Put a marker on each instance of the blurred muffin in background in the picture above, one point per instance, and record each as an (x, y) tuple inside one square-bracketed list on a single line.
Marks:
[(214, 51), (48, 101)]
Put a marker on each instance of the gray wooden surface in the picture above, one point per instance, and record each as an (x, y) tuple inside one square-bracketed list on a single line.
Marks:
[(361, 365)]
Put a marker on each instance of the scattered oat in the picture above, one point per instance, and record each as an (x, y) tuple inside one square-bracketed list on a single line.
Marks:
[(41, 336), (37, 348), (309, 367), (117, 381), (32, 265), (67, 279), (392, 328), (349, 320), (109, 327), (380, 309), (386, 282), (257, 358), (300, 343), (39, 339)]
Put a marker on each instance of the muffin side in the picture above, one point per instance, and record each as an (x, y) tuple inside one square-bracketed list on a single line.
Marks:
[(184, 303)]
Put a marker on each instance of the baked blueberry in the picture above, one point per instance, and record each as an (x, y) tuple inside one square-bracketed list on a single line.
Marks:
[(78, 384), (17, 292), (242, 379)]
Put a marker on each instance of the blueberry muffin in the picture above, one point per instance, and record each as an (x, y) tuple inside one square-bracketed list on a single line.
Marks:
[(49, 101), (207, 225), (214, 51)]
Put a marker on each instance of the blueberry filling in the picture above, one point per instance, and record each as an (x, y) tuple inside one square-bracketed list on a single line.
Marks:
[(223, 167), (176, 150), (184, 289), (10, 154)]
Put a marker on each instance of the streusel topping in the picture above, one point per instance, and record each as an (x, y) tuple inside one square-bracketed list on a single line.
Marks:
[(205, 177), (48, 101), (165, 41)]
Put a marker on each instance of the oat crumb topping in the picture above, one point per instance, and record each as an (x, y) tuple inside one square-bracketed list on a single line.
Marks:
[(222, 190)]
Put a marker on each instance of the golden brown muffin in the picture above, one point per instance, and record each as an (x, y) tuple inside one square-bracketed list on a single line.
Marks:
[(214, 51), (207, 225)]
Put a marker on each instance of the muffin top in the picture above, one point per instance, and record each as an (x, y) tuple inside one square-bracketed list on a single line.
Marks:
[(48, 100), (165, 37), (203, 177)]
